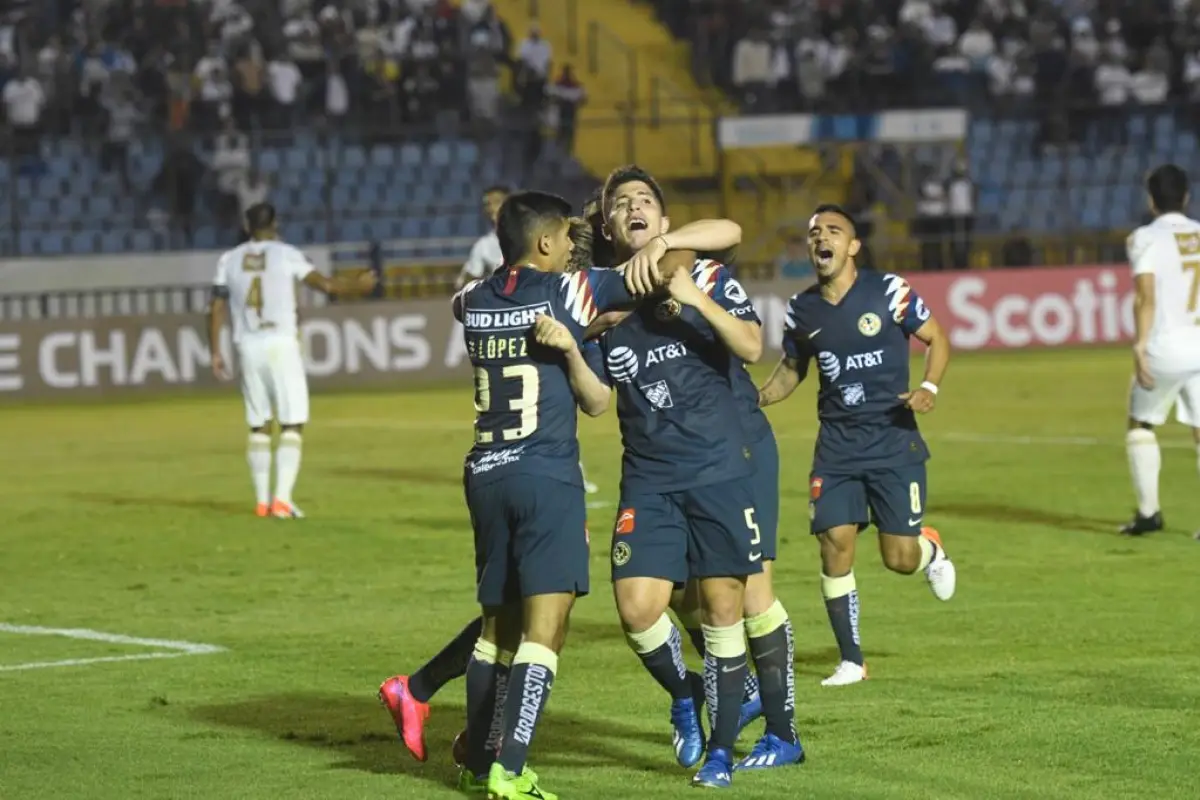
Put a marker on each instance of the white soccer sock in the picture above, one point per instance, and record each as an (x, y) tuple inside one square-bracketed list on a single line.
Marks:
[(287, 465), (1145, 462), (258, 456)]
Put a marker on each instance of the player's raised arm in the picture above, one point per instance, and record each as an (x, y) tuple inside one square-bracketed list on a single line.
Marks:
[(647, 270), (914, 318), (362, 283), (740, 333), (591, 394)]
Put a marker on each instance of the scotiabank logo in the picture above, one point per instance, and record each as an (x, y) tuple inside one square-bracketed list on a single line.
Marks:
[(1032, 307)]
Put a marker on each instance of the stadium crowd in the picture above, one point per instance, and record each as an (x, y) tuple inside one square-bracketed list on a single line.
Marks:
[(782, 55)]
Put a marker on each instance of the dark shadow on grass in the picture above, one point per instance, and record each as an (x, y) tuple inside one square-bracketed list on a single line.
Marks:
[(361, 735), (157, 501), (424, 477), (1006, 514)]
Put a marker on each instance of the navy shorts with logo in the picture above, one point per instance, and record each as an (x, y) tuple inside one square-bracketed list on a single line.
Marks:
[(710, 531), (530, 538), (765, 454), (891, 498)]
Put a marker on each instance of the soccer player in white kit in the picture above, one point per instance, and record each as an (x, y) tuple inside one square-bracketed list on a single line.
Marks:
[(1165, 257), (255, 284)]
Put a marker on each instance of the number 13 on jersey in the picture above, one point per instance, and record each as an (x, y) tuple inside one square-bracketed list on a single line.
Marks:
[(525, 404)]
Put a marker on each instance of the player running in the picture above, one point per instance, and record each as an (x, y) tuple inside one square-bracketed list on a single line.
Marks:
[(255, 286), (687, 496), (1165, 256), (869, 464), (407, 696)]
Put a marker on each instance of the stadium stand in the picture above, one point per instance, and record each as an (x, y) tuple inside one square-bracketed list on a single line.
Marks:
[(118, 142)]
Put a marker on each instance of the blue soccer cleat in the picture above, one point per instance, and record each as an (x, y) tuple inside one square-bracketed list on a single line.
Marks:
[(771, 751), (717, 772), (688, 736), (752, 709)]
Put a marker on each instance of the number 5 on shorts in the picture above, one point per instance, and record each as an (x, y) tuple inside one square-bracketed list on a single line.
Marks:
[(756, 537)]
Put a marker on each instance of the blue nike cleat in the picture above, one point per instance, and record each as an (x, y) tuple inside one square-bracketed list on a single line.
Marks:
[(717, 772), (771, 751), (752, 709), (689, 736)]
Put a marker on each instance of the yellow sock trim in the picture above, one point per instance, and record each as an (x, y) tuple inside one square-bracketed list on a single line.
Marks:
[(504, 658), (533, 653), (767, 622), (833, 588), (727, 642), (652, 638), (485, 651), (927, 551)]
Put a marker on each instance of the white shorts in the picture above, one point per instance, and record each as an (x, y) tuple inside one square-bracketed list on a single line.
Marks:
[(274, 384), (1176, 383)]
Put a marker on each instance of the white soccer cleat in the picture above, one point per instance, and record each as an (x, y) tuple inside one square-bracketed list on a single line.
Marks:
[(846, 673), (942, 577), (590, 487)]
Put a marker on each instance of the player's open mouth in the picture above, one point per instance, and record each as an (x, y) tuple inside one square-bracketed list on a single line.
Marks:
[(824, 255), (638, 224)]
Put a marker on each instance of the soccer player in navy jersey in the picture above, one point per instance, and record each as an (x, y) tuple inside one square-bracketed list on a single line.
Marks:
[(869, 463), (407, 696), (687, 505)]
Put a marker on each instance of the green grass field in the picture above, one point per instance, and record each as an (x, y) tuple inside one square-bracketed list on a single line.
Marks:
[(1068, 665)]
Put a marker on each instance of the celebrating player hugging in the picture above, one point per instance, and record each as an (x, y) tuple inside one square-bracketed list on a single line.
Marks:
[(688, 495), (869, 464)]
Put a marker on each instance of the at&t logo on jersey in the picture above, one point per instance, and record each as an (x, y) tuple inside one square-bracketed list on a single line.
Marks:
[(665, 352), (509, 319), (623, 364), (827, 362), (867, 360)]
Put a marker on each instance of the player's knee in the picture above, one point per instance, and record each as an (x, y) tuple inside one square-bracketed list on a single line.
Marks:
[(1139, 425), (900, 553), (298, 428), (760, 593), (546, 620), (722, 601), (837, 551), (640, 603), (262, 430)]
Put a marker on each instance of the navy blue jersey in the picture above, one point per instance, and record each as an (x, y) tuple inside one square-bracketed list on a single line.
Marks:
[(861, 349), (681, 424), (526, 417)]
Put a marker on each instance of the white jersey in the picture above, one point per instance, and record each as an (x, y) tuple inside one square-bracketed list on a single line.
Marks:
[(485, 257), (1169, 249), (261, 280)]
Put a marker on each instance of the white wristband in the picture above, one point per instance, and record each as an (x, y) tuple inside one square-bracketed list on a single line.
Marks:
[(929, 387)]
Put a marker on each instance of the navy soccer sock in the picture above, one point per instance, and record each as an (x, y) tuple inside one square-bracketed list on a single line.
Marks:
[(660, 647), (529, 686), (481, 704), (449, 664), (724, 681), (773, 648), (841, 603)]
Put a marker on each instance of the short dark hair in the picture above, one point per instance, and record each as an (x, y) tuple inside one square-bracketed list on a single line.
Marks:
[(834, 208), (600, 250), (628, 174), (1167, 186), (259, 217), (497, 188), (523, 217)]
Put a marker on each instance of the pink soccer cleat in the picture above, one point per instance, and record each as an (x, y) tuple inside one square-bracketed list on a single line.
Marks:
[(408, 713)]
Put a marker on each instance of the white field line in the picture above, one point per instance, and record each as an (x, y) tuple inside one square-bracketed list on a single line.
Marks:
[(176, 648), (950, 436)]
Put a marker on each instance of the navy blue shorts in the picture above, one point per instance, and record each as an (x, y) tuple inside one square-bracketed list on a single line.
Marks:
[(892, 498), (530, 538), (765, 454), (711, 531)]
